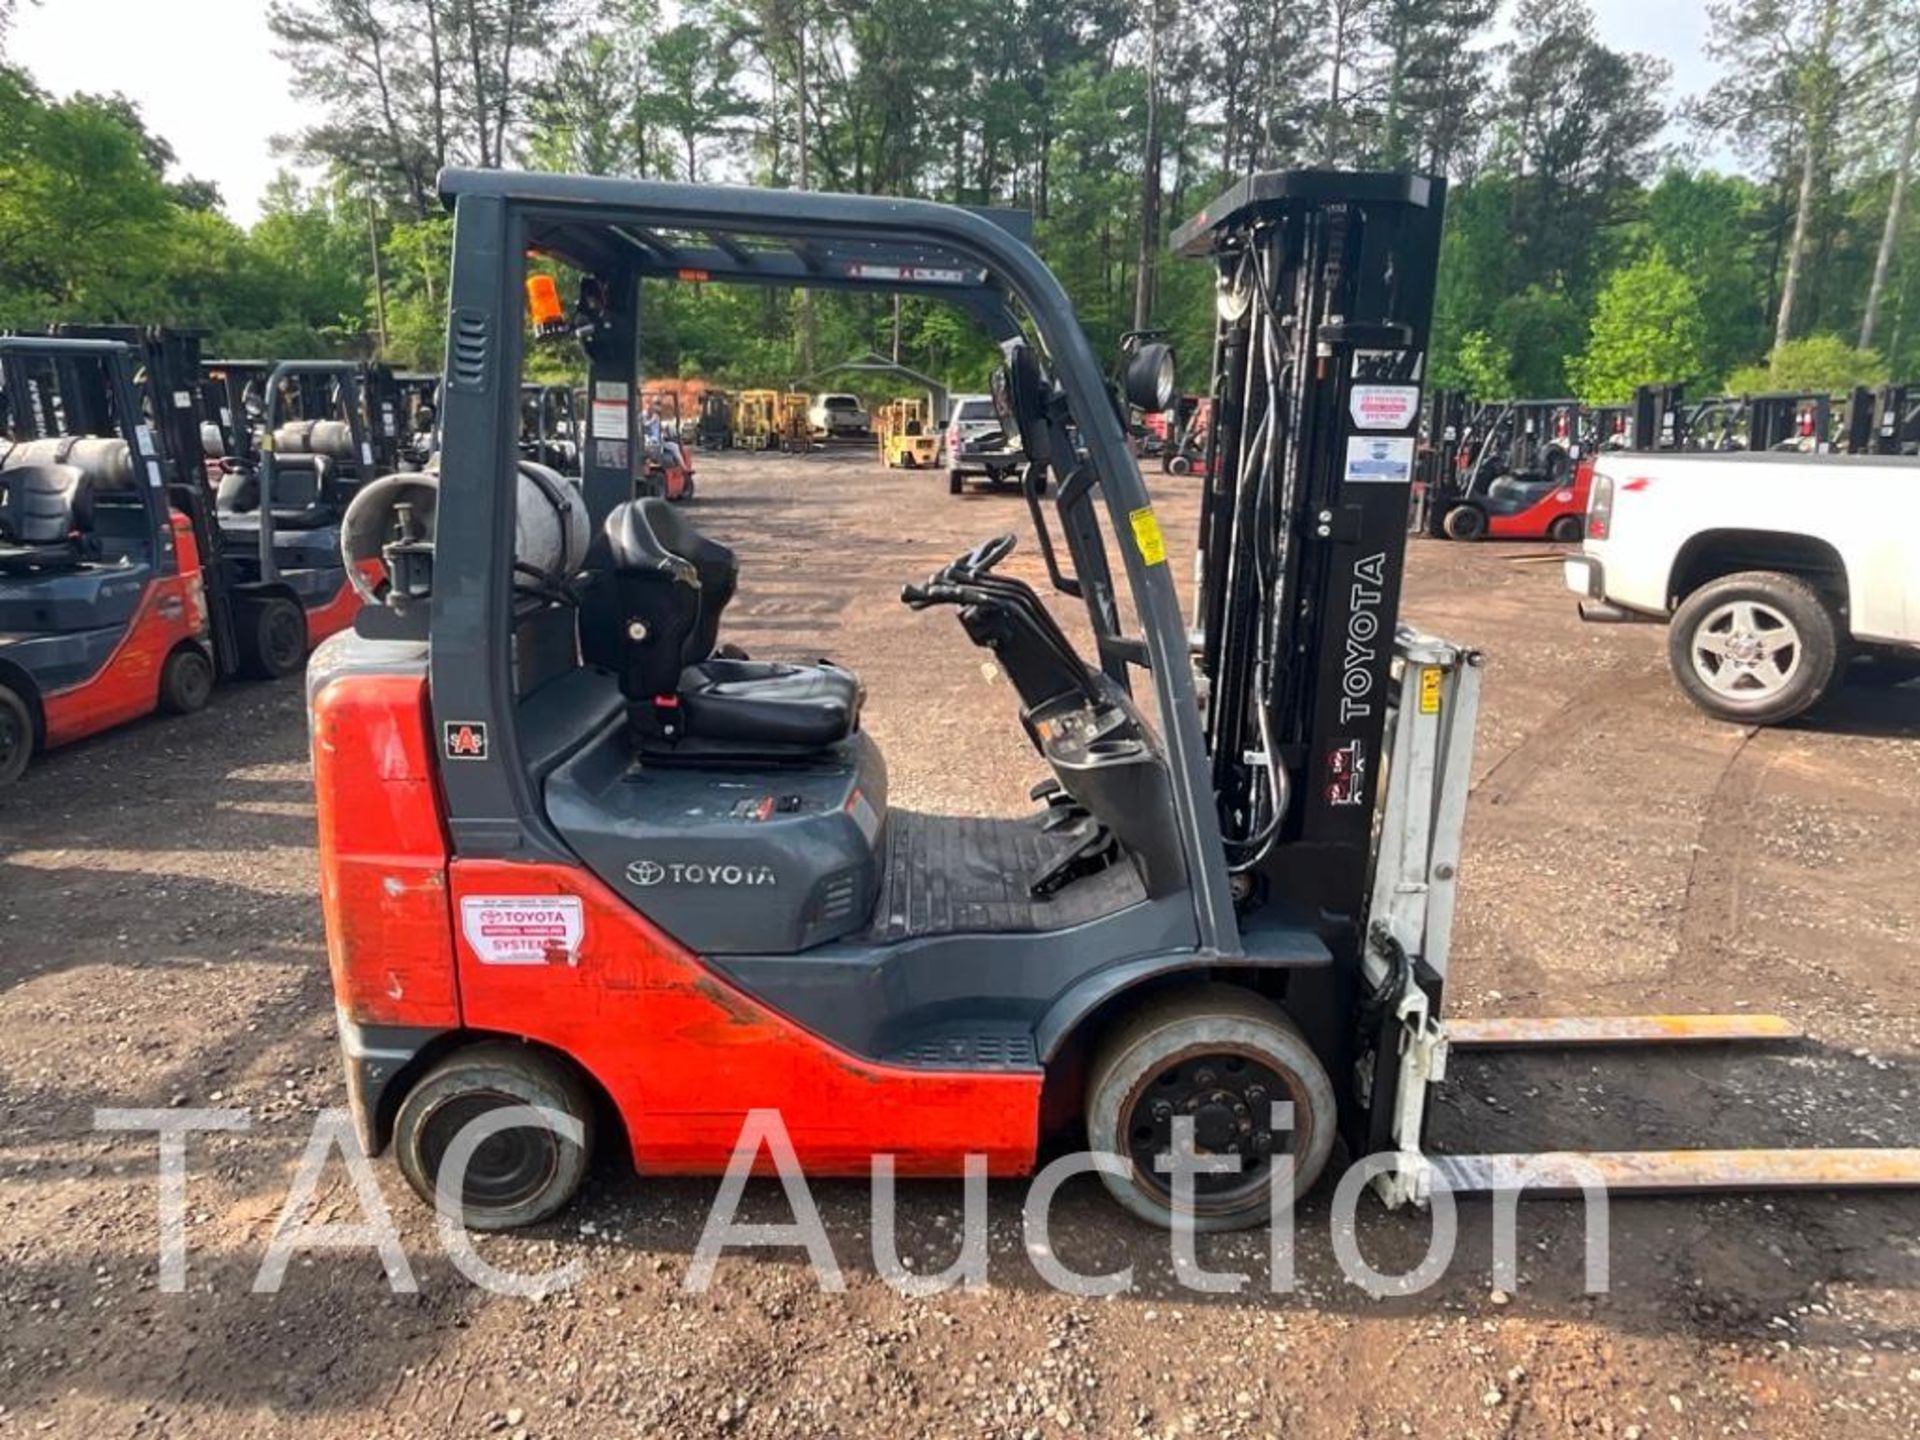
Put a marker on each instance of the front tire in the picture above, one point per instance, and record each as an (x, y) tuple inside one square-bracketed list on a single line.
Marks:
[(186, 681), (1567, 530), (1756, 648), (1465, 522), (1222, 1056), (16, 735), (518, 1177), (273, 643)]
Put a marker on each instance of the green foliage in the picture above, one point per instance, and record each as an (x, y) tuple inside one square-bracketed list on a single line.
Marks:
[(1110, 121), (1823, 363), (1481, 366), (1647, 328)]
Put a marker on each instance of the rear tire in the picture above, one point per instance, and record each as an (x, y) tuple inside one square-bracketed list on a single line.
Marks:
[(186, 681), (956, 482), (518, 1177), (1465, 522), (273, 638), (16, 735), (1756, 648), (1222, 1055), (1179, 465), (1567, 530)]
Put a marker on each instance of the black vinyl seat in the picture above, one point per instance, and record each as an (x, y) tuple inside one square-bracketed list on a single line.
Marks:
[(671, 584)]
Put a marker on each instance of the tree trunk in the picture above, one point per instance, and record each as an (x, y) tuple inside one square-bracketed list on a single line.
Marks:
[(1815, 100), (1797, 247), (1149, 182), (800, 84), (1332, 138), (1883, 262)]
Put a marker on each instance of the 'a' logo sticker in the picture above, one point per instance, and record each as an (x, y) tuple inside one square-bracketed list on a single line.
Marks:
[(466, 740)]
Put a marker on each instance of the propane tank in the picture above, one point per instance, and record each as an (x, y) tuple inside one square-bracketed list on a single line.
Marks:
[(106, 462), (392, 520), (331, 438)]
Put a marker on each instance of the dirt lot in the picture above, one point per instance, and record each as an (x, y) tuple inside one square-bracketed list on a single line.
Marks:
[(160, 944)]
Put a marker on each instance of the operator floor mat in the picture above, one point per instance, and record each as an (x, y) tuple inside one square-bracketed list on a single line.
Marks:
[(946, 874)]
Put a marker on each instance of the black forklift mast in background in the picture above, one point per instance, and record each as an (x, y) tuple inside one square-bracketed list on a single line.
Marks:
[(1777, 421), (1445, 427), (1659, 418), (1325, 294), (168, 378)]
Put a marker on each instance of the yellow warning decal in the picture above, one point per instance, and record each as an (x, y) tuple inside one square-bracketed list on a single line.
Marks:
[(1429, 689), (1146, 535)]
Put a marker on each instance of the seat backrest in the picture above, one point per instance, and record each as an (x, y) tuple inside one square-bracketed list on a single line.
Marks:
[(299, 483), (44, 504), (670, 586)]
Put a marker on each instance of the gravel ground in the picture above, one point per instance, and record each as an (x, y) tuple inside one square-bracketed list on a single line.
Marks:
[(160, 945)]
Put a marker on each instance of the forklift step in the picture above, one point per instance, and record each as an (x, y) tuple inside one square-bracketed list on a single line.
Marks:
[(1656, 1172), (1009, 1049), (1578, 1031)]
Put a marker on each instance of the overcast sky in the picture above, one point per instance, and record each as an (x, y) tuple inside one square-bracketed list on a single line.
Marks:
[(205, 76)]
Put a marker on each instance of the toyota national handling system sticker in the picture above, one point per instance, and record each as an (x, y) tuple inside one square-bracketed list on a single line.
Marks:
[(523, 929)]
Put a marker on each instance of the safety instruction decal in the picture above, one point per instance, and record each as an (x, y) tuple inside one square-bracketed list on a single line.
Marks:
[(610, 419), (1379, 460), (1384, 407), (523, 929), (1429, 689), (1146, 535)]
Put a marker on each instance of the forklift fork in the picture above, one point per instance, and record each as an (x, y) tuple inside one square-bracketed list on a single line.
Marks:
[(1431, 750)]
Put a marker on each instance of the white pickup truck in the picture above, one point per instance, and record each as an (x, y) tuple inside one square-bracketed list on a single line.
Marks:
[(1779, 575)]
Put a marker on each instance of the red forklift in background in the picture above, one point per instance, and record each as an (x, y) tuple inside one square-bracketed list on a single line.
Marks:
[(1525, 475), (104, 613)]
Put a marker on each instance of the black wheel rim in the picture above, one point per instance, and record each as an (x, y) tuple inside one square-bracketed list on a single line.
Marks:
[(1229, 1093), (13, 738), (508, 1169), (196, 682), (286, 636)]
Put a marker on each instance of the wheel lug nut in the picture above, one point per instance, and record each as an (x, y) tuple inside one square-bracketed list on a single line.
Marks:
[(1162, 1110), (1203, 1077)]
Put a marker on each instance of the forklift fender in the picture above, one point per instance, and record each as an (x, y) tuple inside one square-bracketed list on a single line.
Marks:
[(376, 1056), (1096, 992), (22, 683)]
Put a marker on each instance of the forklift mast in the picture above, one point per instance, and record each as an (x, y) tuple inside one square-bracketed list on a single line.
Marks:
[(168, 378), (1658, 418), (1444, 433), (1325, 290)]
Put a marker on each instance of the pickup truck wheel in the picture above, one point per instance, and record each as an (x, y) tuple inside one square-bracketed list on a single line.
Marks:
[(1465, 522), (1756, 648)]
